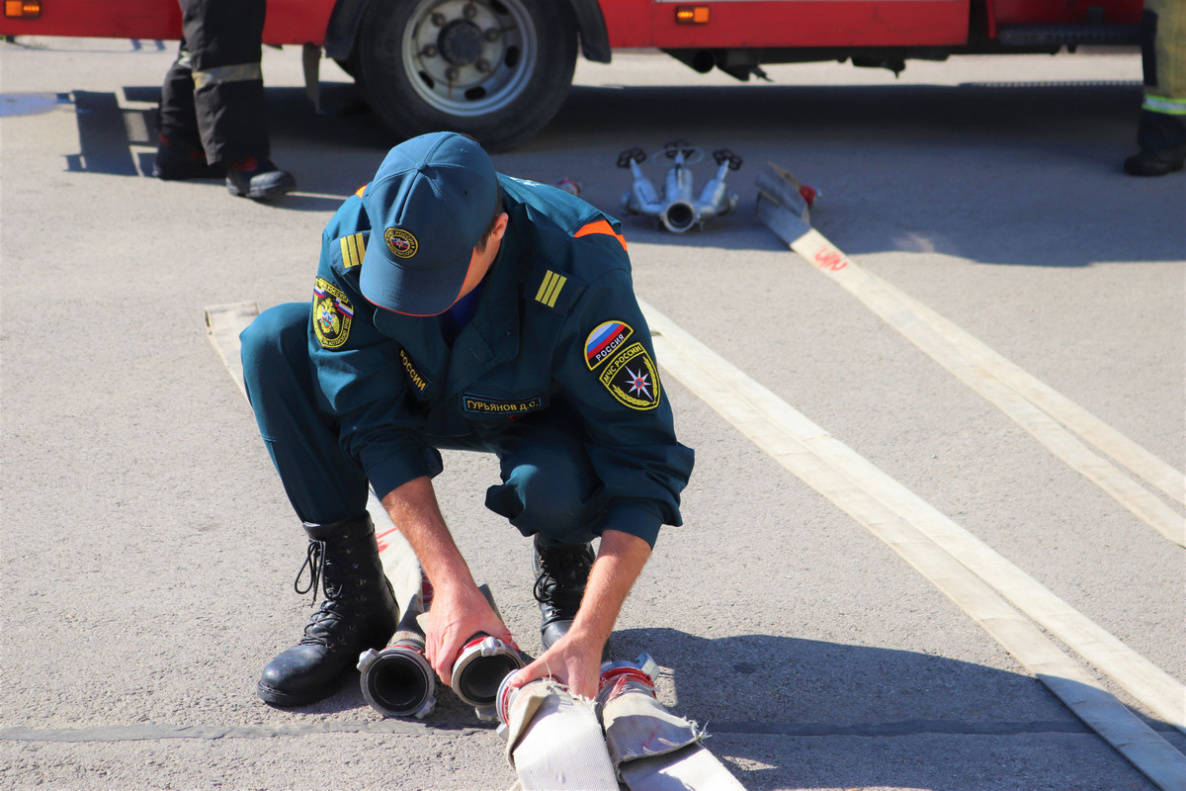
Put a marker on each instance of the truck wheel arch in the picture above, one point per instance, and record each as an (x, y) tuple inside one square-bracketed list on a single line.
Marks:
[(342, 32)]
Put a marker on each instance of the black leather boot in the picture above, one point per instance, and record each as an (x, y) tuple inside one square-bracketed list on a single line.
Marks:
[(1162, 138), (258, 178), (357, 613), (177, 159), (561, 573)]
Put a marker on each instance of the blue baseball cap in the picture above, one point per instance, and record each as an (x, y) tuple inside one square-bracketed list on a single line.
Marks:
[(429, 204)]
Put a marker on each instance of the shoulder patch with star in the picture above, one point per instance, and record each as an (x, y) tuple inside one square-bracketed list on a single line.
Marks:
[(632, 378)]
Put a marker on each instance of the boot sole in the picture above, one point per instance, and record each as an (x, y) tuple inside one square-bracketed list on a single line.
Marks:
[(1154, 169), (274, 697), (259, 194)]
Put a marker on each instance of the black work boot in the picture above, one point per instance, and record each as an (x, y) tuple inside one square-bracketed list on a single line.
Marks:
[(357, 613), (177, 159), (560, 576), (258, 178), (1162, 138)]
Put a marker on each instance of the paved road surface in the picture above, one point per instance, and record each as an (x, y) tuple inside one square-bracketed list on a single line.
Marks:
[(148, 550)]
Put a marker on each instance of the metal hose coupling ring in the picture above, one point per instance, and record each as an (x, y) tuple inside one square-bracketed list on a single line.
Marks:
[(506, 696), (481, 667), (398, 681)]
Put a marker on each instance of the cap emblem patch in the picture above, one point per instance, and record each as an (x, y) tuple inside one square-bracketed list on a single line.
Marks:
[(401, 243)]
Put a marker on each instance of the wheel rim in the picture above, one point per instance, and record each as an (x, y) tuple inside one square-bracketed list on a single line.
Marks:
[(469, 57)]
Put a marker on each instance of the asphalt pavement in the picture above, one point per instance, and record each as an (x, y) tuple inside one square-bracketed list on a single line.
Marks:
[(148, 551)]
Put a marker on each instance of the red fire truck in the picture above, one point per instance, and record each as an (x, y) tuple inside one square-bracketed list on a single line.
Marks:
[(499, 69)]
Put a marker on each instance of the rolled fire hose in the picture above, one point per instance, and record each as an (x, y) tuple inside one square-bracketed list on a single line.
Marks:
[(651, 748), (481, 667), (554, 740), (398, 681)]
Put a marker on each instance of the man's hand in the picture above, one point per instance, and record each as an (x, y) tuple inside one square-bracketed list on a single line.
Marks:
[(458, 613), (575, 659)]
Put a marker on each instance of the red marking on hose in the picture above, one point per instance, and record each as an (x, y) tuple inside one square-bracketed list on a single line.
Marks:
[(477, 639), (383, 545), (620, 677), (413, 647)]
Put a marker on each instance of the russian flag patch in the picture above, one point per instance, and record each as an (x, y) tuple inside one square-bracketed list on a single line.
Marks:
[(604, 340)]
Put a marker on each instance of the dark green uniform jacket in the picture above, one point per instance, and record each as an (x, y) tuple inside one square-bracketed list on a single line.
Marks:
[(556, 321)]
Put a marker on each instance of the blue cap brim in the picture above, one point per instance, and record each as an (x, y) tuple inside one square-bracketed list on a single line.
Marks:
[(419, 292)]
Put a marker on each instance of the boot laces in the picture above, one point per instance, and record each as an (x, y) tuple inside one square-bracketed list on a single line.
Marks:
[(315, 562), (323, 625)]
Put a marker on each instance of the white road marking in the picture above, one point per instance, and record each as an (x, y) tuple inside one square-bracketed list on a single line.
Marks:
[(223, 325), (1095, 431), (965, 569), (1034, 406)]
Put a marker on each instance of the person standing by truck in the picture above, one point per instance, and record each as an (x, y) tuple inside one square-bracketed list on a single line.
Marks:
[(1162, 130), (211, 120)]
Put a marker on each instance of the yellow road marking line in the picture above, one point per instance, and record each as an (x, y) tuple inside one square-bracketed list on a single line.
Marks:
[(1128, 453), (223, 325)]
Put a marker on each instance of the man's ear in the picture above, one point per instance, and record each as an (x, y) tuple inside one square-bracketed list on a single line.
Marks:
[(500, 226)]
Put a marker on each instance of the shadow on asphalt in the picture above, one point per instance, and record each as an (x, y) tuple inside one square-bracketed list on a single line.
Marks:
[(767, 698), (755, 691), (1023, 174)]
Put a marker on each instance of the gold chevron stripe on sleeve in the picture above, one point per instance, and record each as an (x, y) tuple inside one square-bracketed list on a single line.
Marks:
[(353, 250), (549, 290)]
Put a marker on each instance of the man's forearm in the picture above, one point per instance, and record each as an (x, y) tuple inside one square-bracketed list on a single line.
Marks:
[(620, 560), (414, 510), (459, 610)]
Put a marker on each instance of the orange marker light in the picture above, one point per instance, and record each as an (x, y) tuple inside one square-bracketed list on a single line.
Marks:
[(22, 9), (691, 15)]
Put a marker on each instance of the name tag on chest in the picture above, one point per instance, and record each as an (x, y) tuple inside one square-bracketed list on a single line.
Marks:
[(482, 405)]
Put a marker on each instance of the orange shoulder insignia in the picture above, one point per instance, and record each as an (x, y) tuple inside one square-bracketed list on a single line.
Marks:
[(601, 226)]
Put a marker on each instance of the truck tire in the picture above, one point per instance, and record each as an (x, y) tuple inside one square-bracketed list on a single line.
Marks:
[(497, 70)]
